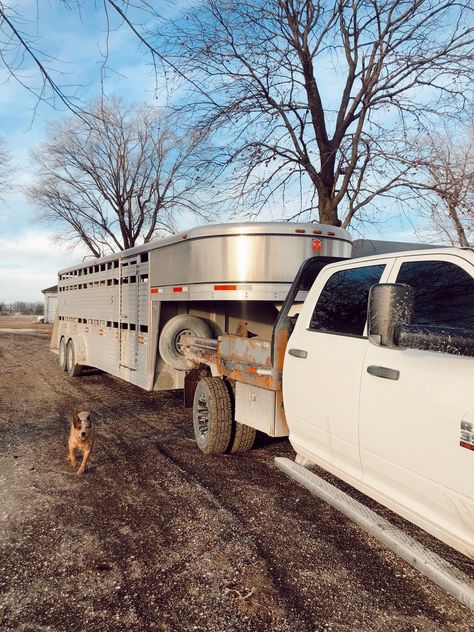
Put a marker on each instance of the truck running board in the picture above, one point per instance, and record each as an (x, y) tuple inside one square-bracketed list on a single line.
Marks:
[(440, 571)]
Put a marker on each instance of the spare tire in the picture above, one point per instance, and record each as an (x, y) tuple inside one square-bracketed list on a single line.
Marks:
[(171, 333)]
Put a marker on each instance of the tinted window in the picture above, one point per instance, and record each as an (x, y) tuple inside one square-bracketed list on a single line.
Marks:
[(444, 293), (342, 304)]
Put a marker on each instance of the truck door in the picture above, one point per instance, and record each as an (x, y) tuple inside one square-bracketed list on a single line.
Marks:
[(323, 364), (417, 426)]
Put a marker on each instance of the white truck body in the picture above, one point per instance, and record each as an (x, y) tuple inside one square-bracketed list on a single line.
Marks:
[(393, 419), (403, 435)]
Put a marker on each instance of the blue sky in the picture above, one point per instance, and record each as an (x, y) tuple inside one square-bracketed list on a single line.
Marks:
[(29, 257)]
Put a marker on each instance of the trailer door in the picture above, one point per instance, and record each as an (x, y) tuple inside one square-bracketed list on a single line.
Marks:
[(129, 317)]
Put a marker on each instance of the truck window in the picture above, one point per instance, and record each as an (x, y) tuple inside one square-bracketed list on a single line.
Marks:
[(342, 304), (444, 293)]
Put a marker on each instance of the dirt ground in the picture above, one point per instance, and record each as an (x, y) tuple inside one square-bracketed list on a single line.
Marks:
[(24, 323), (157, 536)]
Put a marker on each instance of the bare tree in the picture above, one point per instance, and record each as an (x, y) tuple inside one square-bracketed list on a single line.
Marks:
[(119, 176), (440, 182), (319, 94), (30, 61)]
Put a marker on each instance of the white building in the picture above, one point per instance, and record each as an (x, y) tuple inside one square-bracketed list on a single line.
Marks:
[(50, 303)]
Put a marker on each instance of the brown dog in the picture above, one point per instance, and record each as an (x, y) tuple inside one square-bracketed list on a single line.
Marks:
[(81, 437)]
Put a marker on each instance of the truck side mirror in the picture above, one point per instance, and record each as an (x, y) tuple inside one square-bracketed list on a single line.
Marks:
[(390, 305)]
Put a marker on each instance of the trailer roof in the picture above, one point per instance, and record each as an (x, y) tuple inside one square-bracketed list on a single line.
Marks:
[(220, 230)]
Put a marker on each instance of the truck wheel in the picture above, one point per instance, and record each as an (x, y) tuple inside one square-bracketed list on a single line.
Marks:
[(244, 438), (169, 346), (212, 416), (62, 355), (73, 369)]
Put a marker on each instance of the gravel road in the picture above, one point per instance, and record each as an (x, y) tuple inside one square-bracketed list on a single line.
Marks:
[(156, 536)]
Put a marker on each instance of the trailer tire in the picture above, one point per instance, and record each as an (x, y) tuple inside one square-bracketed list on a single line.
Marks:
[(212, 416), (171, 333), (73, 369), (62, 354)]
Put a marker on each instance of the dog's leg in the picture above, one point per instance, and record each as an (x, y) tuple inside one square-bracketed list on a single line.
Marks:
[(85, 459), (72, 457)]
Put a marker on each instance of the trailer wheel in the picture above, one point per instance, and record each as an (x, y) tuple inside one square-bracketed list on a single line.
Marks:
[(212, 416), (62, 358), (169, 345), (73, 369)]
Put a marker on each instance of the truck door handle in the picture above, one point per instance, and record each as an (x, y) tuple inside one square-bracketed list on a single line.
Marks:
[(298, 353), (383, 371)]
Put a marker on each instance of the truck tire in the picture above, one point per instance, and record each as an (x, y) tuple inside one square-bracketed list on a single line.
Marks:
[(73, 369), (62, 355), (171, 333), (244, 438), (212, 416)]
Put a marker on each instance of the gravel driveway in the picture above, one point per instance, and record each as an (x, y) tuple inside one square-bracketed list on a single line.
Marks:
[(156, 536)]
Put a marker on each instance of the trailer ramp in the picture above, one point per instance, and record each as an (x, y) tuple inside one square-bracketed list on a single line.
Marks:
[(430, 564)]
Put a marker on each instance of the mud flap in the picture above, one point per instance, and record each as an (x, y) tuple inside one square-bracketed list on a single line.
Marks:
[(190, 382)]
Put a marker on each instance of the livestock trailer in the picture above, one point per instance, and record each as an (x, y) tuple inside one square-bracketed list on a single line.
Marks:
[(126, 313)]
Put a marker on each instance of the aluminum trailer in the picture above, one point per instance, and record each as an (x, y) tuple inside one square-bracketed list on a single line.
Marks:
[(126, 313)]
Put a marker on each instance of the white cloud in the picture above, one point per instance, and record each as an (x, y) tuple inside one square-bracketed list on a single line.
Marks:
[(29, 262)]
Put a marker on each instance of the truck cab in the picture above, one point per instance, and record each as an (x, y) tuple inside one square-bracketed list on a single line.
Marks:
[(394, 418)]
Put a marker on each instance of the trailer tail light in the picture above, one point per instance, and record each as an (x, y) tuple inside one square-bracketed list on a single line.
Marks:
[(317, 232), (300, 230), (177, 290), (331, 233), (225, 287), (154, 290)]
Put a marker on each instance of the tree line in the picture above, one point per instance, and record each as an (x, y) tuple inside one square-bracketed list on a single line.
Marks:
[(327, 109), (33, 308)]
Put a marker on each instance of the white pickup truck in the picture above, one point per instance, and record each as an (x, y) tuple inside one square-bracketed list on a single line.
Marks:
[(373, 380)]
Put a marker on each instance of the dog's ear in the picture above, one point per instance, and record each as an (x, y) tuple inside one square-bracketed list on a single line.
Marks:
[(75, 420)]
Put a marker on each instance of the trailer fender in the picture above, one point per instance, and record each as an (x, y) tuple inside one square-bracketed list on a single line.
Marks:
[(80, 349), (191, 380)]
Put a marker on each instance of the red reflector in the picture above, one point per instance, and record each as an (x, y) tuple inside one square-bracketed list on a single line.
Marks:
[(300, 230), (225, 287), (154, 290), (316, 245), (318, 232), (331, 232), (177, 289)]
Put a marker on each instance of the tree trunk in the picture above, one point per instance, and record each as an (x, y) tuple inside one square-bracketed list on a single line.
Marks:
[(327, 209), (462, 239)]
